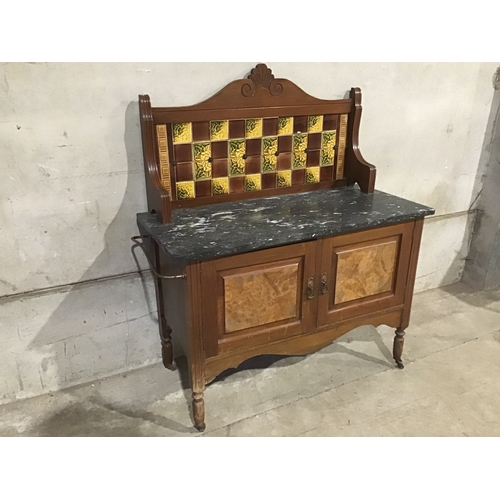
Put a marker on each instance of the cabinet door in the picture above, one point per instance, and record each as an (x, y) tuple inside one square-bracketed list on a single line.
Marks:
[(257, 297), (363, 272)]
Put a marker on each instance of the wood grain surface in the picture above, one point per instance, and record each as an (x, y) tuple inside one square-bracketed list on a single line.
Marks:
[(260, 297), (365, 271)]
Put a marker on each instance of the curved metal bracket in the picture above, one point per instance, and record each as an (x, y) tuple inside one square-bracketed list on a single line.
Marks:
[(155, 272)]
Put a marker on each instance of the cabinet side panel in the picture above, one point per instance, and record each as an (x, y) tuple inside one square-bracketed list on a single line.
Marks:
[(415, 249), (174, 302)]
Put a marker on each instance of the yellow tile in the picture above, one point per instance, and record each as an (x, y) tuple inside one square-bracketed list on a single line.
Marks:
[(220, 186), (219, 130), (185, 190), (252, 182), (312, 175), (315, 123), (284, 178), (285, 125), (253, 127), (181, 132)]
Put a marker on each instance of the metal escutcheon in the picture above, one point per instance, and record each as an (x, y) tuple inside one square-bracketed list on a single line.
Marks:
[(324, 286), (310, 288)]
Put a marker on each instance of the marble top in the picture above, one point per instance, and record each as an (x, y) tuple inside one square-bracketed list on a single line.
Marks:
[(230, 228)]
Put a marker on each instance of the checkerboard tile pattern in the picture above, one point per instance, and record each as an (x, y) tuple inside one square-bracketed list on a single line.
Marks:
[(211, 158)]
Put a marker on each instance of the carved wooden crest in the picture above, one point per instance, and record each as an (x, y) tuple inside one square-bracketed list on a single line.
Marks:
[(261, 76)]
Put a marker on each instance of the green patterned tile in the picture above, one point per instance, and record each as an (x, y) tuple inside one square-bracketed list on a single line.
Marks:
[(236, 160), (299, 143), (328, 148), (327, 158), (269, 146), (328, 140), (201, 154), (269, 163), (299, 160)]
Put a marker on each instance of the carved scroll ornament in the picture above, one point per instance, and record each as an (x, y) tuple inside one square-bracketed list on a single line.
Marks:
[(261, 76)]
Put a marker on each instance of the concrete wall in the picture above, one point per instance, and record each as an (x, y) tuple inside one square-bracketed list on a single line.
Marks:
[(482, 267), (74, 307)]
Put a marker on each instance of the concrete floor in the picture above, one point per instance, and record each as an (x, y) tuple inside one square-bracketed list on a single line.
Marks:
[(449, 386)]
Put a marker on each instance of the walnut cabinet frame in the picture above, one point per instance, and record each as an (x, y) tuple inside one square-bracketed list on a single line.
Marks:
[(265, 295)]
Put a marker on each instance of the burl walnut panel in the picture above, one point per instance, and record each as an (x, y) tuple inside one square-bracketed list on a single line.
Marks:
[(260, 296), (365, 271)]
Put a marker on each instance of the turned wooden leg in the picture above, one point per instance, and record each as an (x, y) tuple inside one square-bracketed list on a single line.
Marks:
[(397, 349), (199, 411), (167, 352)]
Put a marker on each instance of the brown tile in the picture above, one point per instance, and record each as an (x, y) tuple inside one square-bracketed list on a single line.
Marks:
[(269, 180), (329, 122), (219, 149), (184, 171), (201, 131), (253, 147), (326, 174), (236, 184), (298, 177), (313, 158), (270, 126), (236, 129), (285, 143), (203, 188), (183, 152), (314, 141), (219, 168), (252, 164), (284, 161), (299, 124)]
